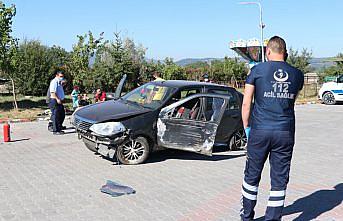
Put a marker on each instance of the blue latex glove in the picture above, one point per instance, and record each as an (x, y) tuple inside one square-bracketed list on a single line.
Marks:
[(247, 131)]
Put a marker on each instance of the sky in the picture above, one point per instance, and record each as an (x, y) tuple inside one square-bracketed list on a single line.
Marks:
[(183, 28)]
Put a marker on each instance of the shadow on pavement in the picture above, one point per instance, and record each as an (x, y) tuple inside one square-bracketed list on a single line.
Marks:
[(315, 204), (169, 154), (183, 155), (18, 140)]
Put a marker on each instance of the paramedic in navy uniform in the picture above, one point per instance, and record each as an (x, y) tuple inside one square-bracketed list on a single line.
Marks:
[(270, 129)]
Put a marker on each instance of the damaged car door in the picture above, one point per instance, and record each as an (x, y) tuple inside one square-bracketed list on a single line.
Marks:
[(187, 125)]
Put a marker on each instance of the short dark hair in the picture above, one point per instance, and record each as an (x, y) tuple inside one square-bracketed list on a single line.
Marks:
[(59, 72), (277, 45)]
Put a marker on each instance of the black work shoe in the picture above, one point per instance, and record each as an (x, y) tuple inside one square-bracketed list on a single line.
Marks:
[(63, 127), (58, 133)]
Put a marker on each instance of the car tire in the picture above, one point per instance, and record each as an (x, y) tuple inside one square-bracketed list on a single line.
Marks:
[(90, 145), (329, 98), (134, 151), (238, 141)]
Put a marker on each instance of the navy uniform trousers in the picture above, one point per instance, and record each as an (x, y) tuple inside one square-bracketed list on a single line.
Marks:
[(57, 115), (278, 145)]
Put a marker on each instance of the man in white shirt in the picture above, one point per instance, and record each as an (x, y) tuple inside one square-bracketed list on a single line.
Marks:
[(56, 102)]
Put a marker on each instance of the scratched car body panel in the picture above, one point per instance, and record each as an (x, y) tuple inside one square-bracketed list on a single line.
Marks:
[(184, 115), (190, 135)]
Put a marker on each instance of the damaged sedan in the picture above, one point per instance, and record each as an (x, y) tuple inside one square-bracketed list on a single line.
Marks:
[(184, 115)]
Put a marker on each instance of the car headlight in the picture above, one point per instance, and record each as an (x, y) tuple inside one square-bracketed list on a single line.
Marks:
[(108, 129)]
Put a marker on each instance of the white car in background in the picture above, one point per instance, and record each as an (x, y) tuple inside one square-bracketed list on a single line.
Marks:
[(331, 92)]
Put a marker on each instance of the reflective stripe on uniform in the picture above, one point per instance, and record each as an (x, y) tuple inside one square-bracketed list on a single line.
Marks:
[(277, 193), (250, 187), (248, 195), (275, 203)]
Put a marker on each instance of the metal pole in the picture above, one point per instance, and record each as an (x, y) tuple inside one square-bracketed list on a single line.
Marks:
[(261, 23), (261, 26)]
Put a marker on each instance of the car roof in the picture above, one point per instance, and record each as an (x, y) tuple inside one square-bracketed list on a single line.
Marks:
[(183, 83)]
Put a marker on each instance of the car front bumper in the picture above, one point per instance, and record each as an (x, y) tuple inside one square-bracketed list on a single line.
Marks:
[(105, 146)]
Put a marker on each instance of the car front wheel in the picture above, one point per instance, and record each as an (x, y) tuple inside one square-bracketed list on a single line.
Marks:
[(329, 98), (238, 141), (133, 151)]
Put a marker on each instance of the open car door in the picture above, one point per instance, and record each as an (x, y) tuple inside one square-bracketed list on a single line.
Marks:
[(120, 87), (189, 125)]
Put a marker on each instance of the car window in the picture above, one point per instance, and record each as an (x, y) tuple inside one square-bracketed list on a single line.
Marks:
[(340, 79), (212, 108), (233, 101), (148, 95), (191, 110), (188, 110), (184, 93)]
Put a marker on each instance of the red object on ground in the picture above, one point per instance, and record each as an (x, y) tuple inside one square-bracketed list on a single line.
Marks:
[(7, 132)]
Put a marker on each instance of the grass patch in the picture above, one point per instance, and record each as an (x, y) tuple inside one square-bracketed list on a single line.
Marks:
[(29, 107)]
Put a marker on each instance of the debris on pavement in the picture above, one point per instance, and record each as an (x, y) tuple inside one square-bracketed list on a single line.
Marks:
[(115, 189)]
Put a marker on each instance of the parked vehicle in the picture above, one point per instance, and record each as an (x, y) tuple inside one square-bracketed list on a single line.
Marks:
[(185, 115), (331, 92)]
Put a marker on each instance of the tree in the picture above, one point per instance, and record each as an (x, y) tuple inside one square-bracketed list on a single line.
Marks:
[(8, 45), (117, 58), (172, 71), (35, 65), (334, 70), (79, 61), (300, 60), (196, 70)]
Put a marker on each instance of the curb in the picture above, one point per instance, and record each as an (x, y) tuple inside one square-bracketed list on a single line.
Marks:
[(307, 102), (23, 120), (15, 120)]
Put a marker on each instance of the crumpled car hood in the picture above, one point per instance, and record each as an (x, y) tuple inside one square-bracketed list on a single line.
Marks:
[(110, 110)]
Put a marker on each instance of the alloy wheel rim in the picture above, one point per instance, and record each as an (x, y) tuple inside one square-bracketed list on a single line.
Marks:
[(329, 98), (133, 150), (240, 140)]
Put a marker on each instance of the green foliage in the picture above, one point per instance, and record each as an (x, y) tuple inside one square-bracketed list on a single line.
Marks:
[(115, 59), (36, 64), (172, 71), (196, 70), (78, 63), (300, 60), (228, 68), (8, 44), (219, 70), (333, 70), (148, 68)]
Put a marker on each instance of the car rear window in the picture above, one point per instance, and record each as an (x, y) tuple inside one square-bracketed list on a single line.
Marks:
[(233, 101)]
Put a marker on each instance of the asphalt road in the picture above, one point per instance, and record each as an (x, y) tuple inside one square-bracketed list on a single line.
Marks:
[(46, 177)]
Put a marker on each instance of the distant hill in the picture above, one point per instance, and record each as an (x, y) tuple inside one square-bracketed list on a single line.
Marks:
[(187, 61), (320, 63), (316, 63)]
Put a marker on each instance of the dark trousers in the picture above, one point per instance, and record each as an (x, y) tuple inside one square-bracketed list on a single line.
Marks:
[(278, 145), (57, 115)]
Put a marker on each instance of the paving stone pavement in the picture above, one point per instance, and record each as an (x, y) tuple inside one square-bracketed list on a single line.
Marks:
[(46, 177)]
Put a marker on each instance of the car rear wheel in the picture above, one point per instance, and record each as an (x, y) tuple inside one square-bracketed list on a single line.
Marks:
[(329, 98), (134, 151), (238, 141)]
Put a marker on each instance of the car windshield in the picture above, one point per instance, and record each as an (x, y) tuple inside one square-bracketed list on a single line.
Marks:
[(149, 95)]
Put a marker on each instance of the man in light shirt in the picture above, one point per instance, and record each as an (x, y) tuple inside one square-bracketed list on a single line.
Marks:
[(56, 102)]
